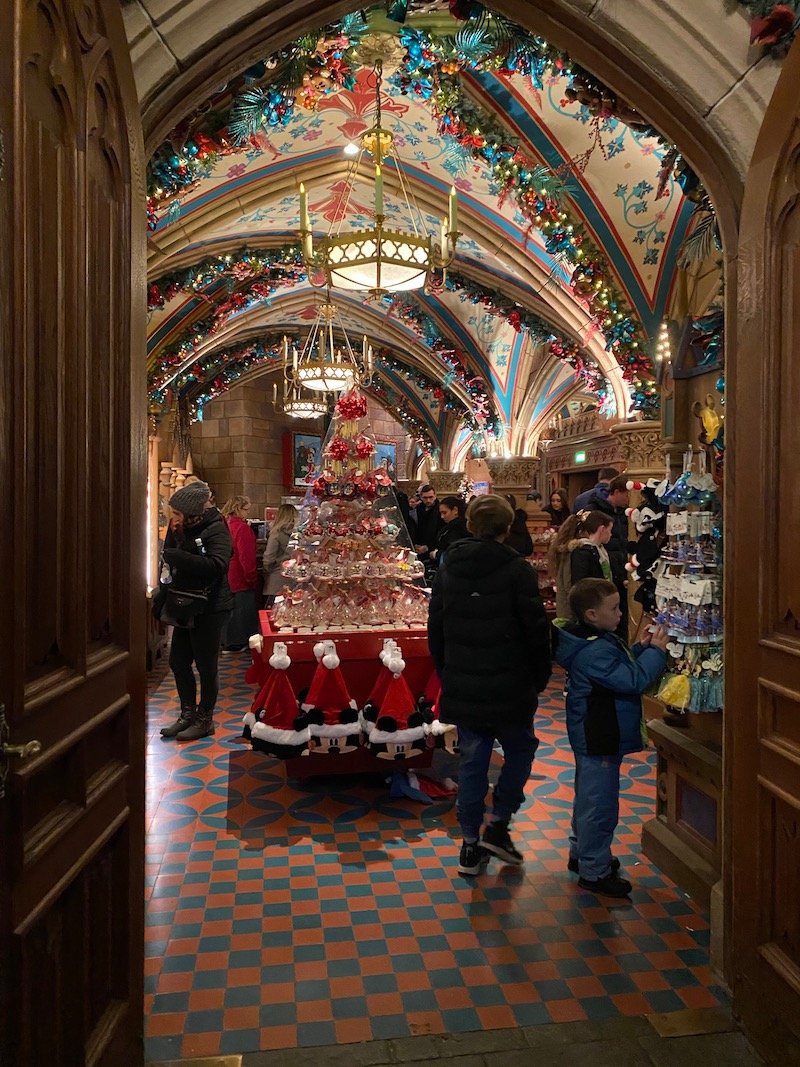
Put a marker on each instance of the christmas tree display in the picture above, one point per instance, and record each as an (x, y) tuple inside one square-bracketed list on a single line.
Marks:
[(354, 566)]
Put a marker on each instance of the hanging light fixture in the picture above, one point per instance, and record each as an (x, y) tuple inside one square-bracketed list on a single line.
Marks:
[(324, 365), (298, 402), (377, 258)]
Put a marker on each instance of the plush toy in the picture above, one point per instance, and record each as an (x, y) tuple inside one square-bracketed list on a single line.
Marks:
[(649, 520)]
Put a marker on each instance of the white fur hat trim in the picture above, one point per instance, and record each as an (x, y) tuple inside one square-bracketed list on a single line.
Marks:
[(342, 729), (438, 728), (319, 649), (280, 737), (250, 719), (256, 642), (331, 661), (381, 737)]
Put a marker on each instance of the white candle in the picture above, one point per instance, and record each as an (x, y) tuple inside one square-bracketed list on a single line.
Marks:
[(305, 222), (378, 191), (453, 209), (443, 237)]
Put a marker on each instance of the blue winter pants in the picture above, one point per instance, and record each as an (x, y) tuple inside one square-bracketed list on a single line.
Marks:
[(519, 747), (595, 814)]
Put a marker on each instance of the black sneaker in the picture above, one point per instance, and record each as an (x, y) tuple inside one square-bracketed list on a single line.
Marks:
[(472, 859), (496, 840), (610, 886), (572, 864)]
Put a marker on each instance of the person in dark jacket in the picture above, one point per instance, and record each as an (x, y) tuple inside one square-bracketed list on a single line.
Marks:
[(518, 537), (429, 523), (613, 503), (489, 639), (604, 720), (196, 555), (452, 509), (600, 490), (558, 508)]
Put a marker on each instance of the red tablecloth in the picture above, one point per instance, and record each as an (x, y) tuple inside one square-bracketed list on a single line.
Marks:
[(358, 651)]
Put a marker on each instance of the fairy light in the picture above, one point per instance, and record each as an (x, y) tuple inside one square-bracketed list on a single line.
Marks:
[(663, 347)]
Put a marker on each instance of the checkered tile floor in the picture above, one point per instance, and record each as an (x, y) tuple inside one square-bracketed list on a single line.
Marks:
[(317, 912)]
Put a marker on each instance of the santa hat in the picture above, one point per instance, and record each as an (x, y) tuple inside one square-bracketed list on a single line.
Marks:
[(399, 729), (444, 734), (328, 709), (273, 723), (390, 653)]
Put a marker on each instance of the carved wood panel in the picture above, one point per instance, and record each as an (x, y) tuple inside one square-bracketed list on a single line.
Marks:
[(762, 713), (71, 463)]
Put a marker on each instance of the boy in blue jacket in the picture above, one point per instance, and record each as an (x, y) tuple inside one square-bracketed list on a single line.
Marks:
[(604, 722)]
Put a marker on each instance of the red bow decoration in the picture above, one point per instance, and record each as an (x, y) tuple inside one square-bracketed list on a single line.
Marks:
[(769, 29), (338, 448)]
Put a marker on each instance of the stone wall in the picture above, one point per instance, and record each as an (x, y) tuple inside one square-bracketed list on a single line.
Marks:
[(238, 447)]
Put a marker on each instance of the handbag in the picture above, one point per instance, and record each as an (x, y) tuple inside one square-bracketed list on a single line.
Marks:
[(180, 607)]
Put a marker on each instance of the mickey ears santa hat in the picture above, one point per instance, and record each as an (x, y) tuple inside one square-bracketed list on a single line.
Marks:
[(399, 720), (273, 721), (328, 707)]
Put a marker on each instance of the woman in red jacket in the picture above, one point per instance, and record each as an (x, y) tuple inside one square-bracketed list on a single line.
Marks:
[(242, 577)]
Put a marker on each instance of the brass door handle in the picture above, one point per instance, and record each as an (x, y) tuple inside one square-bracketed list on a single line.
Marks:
[(30, 748)]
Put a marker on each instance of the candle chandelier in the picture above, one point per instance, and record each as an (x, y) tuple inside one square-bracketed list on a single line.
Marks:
[(323, 365), (377, 257)]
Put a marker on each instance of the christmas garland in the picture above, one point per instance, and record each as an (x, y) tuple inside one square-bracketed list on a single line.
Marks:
[(773, 25), (283, 266), (319, 63), (219, 370), (428, 68)]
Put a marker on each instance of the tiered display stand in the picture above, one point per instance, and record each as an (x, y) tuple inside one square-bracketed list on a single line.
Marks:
[(353, 578)]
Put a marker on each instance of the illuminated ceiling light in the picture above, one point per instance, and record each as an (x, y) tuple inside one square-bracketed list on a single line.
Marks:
[(375, 258), (322, 365), (350, 149), (663, 347)]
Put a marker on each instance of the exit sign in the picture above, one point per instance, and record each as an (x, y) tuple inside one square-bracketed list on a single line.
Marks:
[(580, 457)]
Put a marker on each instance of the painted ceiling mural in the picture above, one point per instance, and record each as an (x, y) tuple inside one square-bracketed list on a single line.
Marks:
[(572, 224)]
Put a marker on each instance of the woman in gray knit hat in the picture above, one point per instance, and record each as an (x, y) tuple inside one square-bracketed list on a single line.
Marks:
[(197, 551)]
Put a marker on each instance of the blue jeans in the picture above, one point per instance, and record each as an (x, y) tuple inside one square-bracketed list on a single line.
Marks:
[(595, 814), (519, 747)]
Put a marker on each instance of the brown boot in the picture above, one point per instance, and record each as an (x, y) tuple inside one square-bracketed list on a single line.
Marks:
[(183, 722), (202, 725)]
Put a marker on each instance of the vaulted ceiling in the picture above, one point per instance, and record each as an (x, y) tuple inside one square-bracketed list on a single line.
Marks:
[(218, 302)]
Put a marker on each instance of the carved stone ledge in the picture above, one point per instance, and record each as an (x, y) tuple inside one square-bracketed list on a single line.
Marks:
[(446, 482), (641, 446), (516, 471)]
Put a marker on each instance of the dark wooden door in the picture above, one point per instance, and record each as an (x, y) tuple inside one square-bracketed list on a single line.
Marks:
[(762, 707), (72, 452)]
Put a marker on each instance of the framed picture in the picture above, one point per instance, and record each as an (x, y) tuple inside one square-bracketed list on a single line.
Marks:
[(301, 458), (386, 456)]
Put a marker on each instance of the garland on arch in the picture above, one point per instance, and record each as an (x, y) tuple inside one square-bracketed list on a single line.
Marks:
[(562, 348), (429, 68), (281, 266), (316, 65)]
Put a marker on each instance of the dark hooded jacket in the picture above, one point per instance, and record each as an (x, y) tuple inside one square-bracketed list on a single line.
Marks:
[(606, 680), (489, 637), (193, 570)]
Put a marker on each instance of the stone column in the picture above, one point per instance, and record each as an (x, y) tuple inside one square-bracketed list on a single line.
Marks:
[(642, 447), (514, 475), (446, 483)]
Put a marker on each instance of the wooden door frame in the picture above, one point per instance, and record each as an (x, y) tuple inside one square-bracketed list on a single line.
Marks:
[(762, 751)]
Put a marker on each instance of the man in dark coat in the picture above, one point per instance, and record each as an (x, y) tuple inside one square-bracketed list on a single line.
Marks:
[(429, 523), (488, 636), (600, 490)]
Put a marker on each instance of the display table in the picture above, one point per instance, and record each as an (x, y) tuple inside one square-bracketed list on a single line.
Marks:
[(358, 651)]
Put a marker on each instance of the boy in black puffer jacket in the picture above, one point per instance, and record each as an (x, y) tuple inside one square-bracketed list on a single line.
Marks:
[(488, 636)]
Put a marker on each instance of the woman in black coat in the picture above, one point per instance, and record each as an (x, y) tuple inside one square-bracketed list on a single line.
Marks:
[(197, 551), (489, 639), (452, 510), (518, 537)]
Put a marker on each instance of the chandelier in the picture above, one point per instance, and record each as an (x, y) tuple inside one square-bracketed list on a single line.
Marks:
[(378, 258), (321, 367)]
